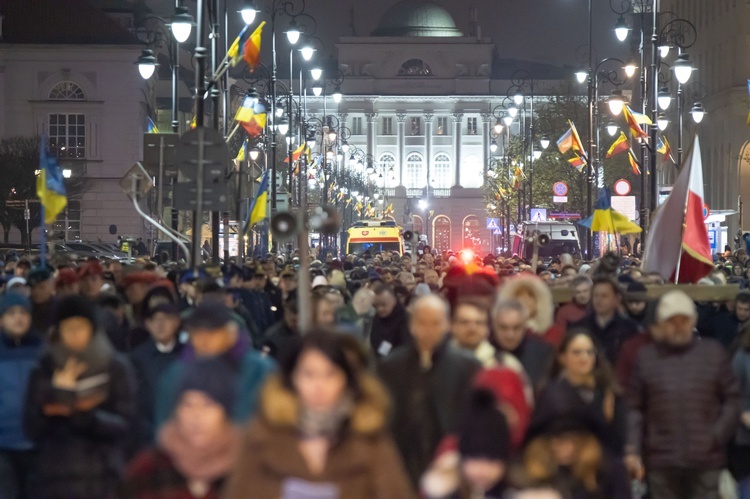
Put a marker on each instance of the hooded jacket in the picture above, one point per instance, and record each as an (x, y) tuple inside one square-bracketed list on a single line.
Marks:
[(542, 322), (361, 463)]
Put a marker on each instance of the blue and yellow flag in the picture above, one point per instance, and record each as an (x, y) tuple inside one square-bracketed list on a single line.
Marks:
[(50, 186), (605, 219), (259, 208), (151, 126)]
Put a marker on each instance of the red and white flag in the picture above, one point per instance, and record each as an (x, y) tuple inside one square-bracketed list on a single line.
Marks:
[(678, 232)]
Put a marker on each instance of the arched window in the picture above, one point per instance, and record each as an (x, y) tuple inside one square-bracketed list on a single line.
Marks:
[(472, 175), (388, 168), (66, 90), (441, 171), (441, 233), (415, 176), (472, 234), (418, 224), (415, 67)]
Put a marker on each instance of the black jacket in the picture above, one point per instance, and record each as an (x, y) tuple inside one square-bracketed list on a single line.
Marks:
[(80, 455), (428, 404), (612, 335), (684, 405), (280, 339), (535, 355), (393, 329)]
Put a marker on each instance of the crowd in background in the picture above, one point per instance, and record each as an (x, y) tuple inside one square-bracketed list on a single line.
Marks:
[(442, 376)]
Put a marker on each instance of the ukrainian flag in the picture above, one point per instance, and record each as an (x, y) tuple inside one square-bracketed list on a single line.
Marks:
[(605, 219), (50, 186), (151, 127), (259, 208)]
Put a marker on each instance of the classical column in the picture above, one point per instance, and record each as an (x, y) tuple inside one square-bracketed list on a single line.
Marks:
[(428, 144), (457, 121), (371, 119), (401, 118), (486, 139)]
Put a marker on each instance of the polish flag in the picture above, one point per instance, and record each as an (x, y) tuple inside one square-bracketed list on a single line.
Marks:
[(678, 233)]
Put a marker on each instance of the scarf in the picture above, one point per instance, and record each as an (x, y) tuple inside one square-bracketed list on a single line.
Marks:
[(209, 463), (327, 423), (97, 355)]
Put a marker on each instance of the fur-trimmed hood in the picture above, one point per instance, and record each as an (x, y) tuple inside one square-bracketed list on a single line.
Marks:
[(279, 406), (545, 310)]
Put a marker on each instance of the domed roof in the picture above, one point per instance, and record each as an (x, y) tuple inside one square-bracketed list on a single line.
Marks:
[(417, 18)]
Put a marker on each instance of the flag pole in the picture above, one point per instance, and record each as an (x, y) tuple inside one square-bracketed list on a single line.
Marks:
[(684, 217)]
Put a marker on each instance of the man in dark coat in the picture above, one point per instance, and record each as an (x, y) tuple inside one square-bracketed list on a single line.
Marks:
[(79, 431), (684, 406), (429, 383), (152, 358), (605, 322), (390, 327), (283, 335), (42, 284), (509, 328)]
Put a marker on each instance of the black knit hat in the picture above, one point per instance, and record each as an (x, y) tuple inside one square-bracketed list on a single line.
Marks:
[(214, 377), (76, 306), (210, 315), (484, 432)]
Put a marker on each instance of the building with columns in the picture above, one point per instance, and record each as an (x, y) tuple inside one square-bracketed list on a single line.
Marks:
[(419, 95)]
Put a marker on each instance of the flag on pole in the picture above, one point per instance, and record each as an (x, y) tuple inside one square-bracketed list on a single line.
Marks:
[(619, 146), (242, 153), (634, 165), (297, 153), (251, 49), (234, 53), (259, 207), (677, 246), (577, 144), (663, 147), (571, 140), (252, 116), (607, 219), (151, 126), (50, 186), (635, 127), (577, 162)]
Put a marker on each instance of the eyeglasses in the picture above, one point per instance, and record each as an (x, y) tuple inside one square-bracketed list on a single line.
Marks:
[(591, 352)]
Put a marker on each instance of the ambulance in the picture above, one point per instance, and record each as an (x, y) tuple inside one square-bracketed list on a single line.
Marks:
[(375, 236)]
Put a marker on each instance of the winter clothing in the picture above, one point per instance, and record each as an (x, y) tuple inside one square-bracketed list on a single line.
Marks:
[(717, 323), (152, 475), (279, 338), (570, 313), (251, 369), (535, 355), (628, 354), (392, 330), (484, 431), (610, 337), (213, 377), (428, 403), (10, 300), (362, 461), (80, 454), (76, 306), (684, 405), (543, 320), (509, 389)]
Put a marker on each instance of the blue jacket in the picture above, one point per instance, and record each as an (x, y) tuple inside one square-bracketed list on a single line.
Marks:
[(17, 359), (252, 370)]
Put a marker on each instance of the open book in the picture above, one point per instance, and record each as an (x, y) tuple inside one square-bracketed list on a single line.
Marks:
[(295, 488), (92, 386)]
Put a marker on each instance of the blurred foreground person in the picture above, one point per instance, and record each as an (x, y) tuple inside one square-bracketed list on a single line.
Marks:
[(390, 327), (20, 347), (470, 330), (474, 463), (79, 406), (321, 429), (739, 457), (197, 447), (429, 383), (684, 407)]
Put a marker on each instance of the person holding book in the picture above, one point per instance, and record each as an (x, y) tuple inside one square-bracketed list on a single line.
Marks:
[(20, 346), (79, 405)]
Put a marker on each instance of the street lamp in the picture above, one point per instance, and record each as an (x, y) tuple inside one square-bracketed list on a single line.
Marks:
[(498, 128), (698, 112), (513, 111), (248, 11), (67, 172), (621, 29), (423, 204), (493, 147), (661, 121), (317, 89), (683, 68), (293, 33), (283, 126), (254, 153), (518, 98), (307, 52), (616, 102), (146, 63), (664, 98), (537, 154), (630, 68), (316, 73), (182, 24), (544, 141), (337, 95), (611, 128), (508, 120), (664, 50), (581, 75)]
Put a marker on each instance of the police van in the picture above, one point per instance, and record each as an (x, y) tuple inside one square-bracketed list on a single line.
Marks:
[(561, 237), (375, 236)]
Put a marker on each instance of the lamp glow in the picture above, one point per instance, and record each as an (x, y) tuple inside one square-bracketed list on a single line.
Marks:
[(518, 98), (293, 33), (493, 147), (683, 68), (630, 68), (508, 119), (337, 95), (181, 24), (248, 12), (664, 98), (307, 52), (317, 90), (698, 112), (612, 128), (513, 111), (146, 64), (616, 102), (498, 128), (544, 141), (316, 73), (621, 29), (582, 75), (662, 122)]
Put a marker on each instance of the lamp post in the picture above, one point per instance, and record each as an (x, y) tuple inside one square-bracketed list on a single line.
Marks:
[(519, 80)]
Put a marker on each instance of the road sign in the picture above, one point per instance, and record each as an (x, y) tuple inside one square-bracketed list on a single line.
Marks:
[(622, 187), (498, 231), (214, 148), (538, 214), (560, 189), (215, 197), (706, 211), (160, 148), (136, 182), (492, 223), (559, 199)]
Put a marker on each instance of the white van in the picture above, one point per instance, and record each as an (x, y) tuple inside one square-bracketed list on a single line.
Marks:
[(563, 238)]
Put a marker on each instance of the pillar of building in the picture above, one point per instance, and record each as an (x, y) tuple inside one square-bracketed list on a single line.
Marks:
[(401, 119), (371, 120), (457, 122), (486, 139)]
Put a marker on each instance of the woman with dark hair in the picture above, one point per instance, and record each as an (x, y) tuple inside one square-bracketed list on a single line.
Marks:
[(581, 370), (321, 427)]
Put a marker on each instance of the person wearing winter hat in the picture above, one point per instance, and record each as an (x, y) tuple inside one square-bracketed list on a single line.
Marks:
[(635, 302), (198, 446), (20, 346), (67, 283), (91, 279), (42, 293), (472, 463), (79, 406)]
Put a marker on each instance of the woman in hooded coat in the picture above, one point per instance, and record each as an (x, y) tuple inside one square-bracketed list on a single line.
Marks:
[(536, 297), (321, 427), (80, 404)]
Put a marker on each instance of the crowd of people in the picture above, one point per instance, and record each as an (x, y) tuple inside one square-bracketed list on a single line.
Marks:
[(442, 376)]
